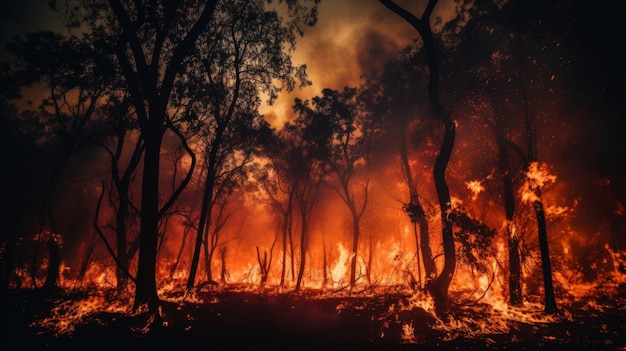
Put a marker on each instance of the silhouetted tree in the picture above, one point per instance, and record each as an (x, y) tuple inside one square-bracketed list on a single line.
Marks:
[(304, 146), (348, 152), (483, 80), (12, 140), (392, 98), (74, 77), (125, 161), (153, 43), (243, 56), (439, 286), (275, 183), (535, 185)]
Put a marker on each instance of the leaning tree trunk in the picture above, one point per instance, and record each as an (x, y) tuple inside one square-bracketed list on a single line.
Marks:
[(205, 219), (207, 204)]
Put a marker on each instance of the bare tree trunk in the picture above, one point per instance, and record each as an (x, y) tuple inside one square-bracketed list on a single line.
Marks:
[(550, 300), (418, 217), (146, 290), (370, 258), (283, 269), (292, 251), (54, 263), (303, 247), (542, 231), (515, 271), (205, 220), (207, 204), (531, 153), (287, 229), (208, 253), (223, 270), (441, 284), (324, 261), (264, 266), (121, 243), (356, 234)]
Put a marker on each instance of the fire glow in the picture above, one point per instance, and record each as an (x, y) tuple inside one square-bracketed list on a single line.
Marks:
[(170, 182)]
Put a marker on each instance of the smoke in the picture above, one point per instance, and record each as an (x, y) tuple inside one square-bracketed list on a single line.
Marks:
[(351, 39)]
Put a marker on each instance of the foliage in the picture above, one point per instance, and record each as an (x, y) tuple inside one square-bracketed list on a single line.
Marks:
[(474, 238)]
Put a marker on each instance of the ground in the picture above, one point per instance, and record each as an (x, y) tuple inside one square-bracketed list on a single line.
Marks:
[(252, 320)]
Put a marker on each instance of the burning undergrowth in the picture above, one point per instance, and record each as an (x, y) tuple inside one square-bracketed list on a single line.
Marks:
[(241, 316)]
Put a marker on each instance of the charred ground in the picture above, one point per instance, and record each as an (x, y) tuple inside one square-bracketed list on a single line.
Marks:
[(240, 320)]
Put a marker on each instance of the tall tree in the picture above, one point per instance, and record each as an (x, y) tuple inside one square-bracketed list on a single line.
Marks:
[(483, 80), (392, 98), (534, 184), (153, 42), (438, 288), (523, 49)]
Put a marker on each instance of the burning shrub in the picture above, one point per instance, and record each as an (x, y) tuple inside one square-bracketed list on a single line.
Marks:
[(475, 238)]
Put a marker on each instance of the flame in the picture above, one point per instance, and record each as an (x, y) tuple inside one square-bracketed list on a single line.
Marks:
[(408, 334), (476, 187), (66, 316), (538, 175), (338, 272)]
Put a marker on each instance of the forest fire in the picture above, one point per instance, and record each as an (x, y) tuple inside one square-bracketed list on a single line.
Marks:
[(426, 176)]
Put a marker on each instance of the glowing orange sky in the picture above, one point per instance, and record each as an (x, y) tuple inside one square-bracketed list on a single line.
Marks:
[(351, 38)]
